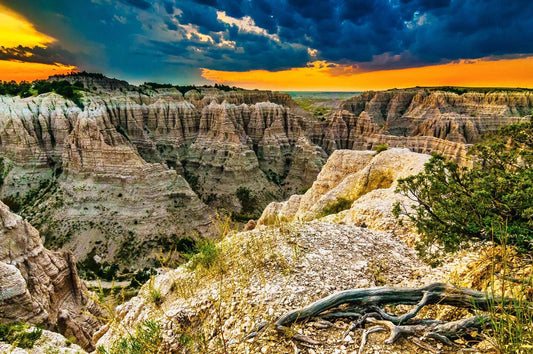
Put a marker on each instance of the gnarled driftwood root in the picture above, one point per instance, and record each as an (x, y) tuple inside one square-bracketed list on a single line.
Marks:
[(366, 305)]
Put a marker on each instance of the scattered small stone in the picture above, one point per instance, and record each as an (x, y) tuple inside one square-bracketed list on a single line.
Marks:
[(348, 339)]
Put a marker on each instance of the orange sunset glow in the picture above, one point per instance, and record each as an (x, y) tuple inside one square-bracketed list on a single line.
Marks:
[(16, 31), (332, 77), (18, 71)]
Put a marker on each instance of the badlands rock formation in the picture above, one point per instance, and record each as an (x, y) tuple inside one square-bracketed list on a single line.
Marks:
[(42, 287), (111, 203), (213, 137), (144, 166), (355, 187), (115, 178), (423, 120)]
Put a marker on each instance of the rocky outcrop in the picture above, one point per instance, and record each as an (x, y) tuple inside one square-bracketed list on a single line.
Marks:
[(259, 274), (99, 151), (32, 130), (355, 187), (420, 119), (49, 342), (42, 287)]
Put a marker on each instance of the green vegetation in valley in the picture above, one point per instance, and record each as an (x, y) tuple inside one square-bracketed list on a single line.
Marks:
[(5, 167), (249, 203), (20, 204), (146, 339), (20, 335), (491, 201)]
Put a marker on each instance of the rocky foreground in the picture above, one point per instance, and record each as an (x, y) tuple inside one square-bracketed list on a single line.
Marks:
[(339, 235), (259, 275)]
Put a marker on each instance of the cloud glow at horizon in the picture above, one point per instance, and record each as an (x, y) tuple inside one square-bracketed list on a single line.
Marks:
[(273, 44)]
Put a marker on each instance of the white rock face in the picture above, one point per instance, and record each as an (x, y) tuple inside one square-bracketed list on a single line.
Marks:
[(50, 342)]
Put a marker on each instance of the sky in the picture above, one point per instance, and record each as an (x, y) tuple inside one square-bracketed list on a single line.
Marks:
[(332, 45)]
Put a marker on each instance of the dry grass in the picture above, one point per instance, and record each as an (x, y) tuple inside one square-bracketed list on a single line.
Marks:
[(501, 271), (222, 275)]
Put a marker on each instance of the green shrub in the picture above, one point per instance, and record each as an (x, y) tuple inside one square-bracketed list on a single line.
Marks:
[(337, 206), (142, 276), (146, 339), (456, 205), (381, 148), (185, 245), (154, 294), (205, 256), (19, 335)]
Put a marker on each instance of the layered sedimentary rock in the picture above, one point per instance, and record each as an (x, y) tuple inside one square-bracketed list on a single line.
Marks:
[(32, 130), (239, 150), (355, 187), (424, 120), (256, 146), (42, 287), (111, 203), (111, 174), (256, 135)]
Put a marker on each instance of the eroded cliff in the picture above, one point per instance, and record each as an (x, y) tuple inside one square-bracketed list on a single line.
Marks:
[(355, 187), (114, 177), (42, 287), (129, 157), (423, 120)]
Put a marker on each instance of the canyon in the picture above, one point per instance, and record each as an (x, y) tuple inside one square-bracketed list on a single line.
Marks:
[(125, 177), (133, 169)]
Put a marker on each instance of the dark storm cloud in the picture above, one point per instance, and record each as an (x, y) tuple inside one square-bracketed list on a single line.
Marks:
[(203, 16), (169, 7), (49, 55), (145, 39)]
